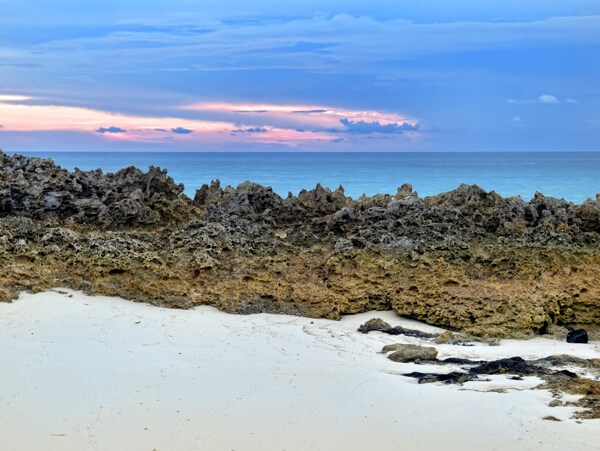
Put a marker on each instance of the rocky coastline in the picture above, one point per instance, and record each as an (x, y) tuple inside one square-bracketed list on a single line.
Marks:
[(466, 260)]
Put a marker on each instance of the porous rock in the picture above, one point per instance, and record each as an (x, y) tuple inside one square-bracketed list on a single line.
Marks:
[(409, 353), (466, 260), (374, 324)]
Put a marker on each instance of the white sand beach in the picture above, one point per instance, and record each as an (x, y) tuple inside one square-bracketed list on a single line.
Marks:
[(100, 373)]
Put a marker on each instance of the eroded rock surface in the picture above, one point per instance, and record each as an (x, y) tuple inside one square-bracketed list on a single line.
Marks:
[(466, 260)]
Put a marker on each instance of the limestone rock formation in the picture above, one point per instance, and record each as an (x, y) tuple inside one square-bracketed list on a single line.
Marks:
[(38, 189), (466, 260)]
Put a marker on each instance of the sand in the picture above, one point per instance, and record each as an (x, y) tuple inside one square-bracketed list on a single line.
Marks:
[(100, 373)]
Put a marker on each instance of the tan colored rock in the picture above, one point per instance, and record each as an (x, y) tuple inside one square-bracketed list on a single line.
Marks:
[(410, 353), (390, 348), (446, 337)]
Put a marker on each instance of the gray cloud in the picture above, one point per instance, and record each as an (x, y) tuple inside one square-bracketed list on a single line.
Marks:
[(181, 130), (251, 130), (110, 130), (364, 128)]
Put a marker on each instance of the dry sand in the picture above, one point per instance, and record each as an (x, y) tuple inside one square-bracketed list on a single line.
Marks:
[(79, 372)]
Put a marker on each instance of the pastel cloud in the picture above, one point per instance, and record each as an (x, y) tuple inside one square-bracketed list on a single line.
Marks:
[(312, 117), (18, 117), (309, 126)]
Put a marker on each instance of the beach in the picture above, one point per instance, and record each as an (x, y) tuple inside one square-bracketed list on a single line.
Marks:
[(290, 226), (91, 372)]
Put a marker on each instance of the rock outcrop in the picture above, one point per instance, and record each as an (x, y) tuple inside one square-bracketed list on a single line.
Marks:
[(38, 189), (410, 353), (467, 260)]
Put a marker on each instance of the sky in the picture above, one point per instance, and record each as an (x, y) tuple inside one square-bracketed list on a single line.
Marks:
[(184, 75)]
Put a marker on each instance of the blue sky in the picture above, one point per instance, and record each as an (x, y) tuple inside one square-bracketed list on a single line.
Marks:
[(300, 76)]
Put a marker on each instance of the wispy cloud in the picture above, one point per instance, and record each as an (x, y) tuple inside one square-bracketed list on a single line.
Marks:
[(287, 125), (312, 117), (321, 42), (544, 99), (26, 118), (13, 98), (300, 74)]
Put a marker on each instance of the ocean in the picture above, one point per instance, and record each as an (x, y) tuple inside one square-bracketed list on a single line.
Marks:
[(573, 176)]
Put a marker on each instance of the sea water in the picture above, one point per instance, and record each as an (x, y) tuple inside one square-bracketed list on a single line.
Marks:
[(574, 176)]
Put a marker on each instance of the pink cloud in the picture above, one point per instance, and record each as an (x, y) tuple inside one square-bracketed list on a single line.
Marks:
[(295, 126), (301, 116), (120, 127)]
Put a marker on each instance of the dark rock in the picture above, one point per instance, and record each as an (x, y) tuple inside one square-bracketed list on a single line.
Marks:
[(577, 336), (459, 361), (512, 365), (551, 418), (381, 326), (39, 189), (454, 377), (569, 374), (374, 324)]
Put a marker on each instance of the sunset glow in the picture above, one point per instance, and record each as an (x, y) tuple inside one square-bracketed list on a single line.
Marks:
[(306, 76), (34, 118), (287, 125)]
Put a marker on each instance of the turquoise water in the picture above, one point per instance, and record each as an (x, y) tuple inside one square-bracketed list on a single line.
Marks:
[(570, 175)]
